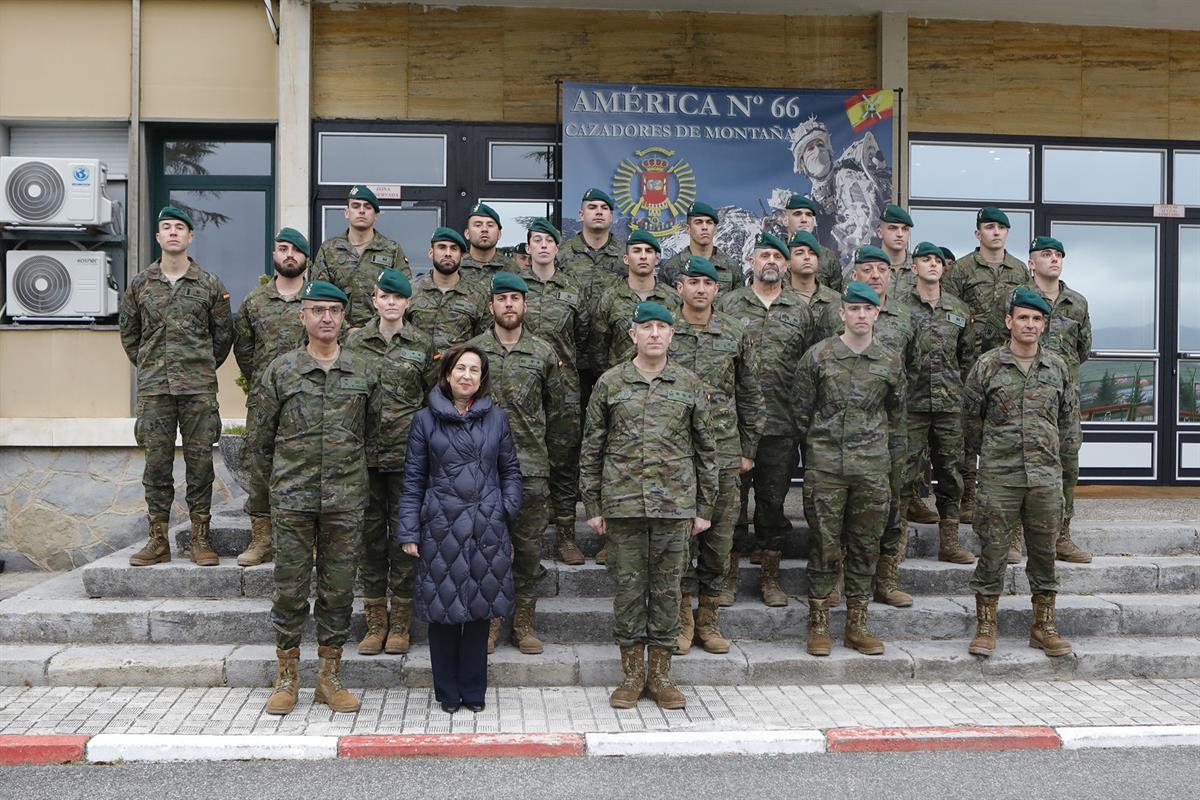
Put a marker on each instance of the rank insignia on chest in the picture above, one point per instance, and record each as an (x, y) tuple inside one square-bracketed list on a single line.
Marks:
[(957, 320), (382, 258)]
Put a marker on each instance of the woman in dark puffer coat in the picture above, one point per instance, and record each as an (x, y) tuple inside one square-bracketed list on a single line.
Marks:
[(462, 488)]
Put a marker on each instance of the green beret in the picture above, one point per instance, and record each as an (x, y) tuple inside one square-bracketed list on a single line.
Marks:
[(481, 209), (508, 282), (698, 209), (449, 235), (597, 194), (947, 254), (928, 249), (800, 201), (648, 311), (521, 249), (769, 240), (323, 290), (1025, 297), (393, 280), (859, 292), (1047, 243), (644, 237), (293, 237), (699, 267), (361, 192), (870, 253), (991, 214), (171, 212), (894, 213), (543, 225), (805, 238)]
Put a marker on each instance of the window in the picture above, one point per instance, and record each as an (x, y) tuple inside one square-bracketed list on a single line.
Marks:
[(955, 228), (1117, 390), (515, 216), (1095, 176), (968, 172), (408, 223), (1187, 179), (409, 159), (521, 161)]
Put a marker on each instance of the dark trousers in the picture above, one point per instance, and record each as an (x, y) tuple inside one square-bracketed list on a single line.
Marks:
[(458, 655)]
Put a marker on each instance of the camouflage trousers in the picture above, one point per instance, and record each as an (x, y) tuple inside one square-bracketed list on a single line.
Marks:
[(526, 532), (258, 499), (564, 458), (199, 423), (382, 565), (1070, 469), (771, 478), (708, 558), (335, 536), (846, 517), (942, 432), (645, 563), (893, 531), (998, 509)]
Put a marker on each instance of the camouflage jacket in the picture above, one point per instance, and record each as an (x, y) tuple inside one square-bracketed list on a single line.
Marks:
[(528, 383), (648, 448), (267, 325), (556, 314), (732, 274), (481, 272), (355, 274), (986, 292), (904, 280), (612, 320), (1024, 423), (830, 272), (594, 271), (941, 352), (403, 367), (176, 335), (823, 309), (849, 409), (449, 317), (778, 337), (719, 355), (310, 428), (1069, 332)]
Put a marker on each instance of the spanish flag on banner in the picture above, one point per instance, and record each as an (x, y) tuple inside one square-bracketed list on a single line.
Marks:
[(866, 108)]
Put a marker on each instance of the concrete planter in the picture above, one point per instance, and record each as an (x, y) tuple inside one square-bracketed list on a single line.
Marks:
[(233, 453)]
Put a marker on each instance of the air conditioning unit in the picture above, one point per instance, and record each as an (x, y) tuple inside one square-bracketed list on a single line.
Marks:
[(59, 285), (49, 192)]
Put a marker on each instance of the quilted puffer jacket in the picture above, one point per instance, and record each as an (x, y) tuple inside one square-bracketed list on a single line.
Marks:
[(462, 488)]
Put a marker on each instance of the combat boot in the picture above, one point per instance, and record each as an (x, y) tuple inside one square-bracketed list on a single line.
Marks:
[(966, 508), (887, 587), (687, 626), (918, 511), (949, 548), (1066, 550), (157, 549), (523, 637), (768, 581), (399, 627), (756, 556), (633, 664), (493, 634), (857, 637), (260, 550), (202, 553), (602, 555), (330, 690), (984, 643), (568, 552), (728, 595), (658, 680), (1043, 635), (287, 682), (707, 628), (377, 626), (1014, 544), (820, 643)]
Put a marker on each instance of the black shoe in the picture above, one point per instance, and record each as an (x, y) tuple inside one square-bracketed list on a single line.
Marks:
[(474, 707), (449, 708)]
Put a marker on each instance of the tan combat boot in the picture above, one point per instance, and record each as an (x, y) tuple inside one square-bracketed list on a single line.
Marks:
[(399, 627), (493, 634), (202, 553), (1043, 635), (984, 643), (1066, 550), (887, 587), (523, 637), (633, 664), (768, 581), (602, 555), (260, 550), (1014, 544), (707, 628), (658, 680), (330, 690), (966, 508), (568, 552), (857, 637), (377, 626), (687, 626), (949, 548), (287, 682), (918, 511), (157, 549), (820, 643), (728, 595), (756, 556)]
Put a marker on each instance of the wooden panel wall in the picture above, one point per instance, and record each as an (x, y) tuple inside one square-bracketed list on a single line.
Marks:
[(500, 64)]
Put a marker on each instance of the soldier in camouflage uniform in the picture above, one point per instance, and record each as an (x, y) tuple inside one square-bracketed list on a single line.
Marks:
[(312, 413), (778, 326), (849, 414), (401, 355), (611, 319), (350, 261), (714, 346), (702, 222), (520, 256), (445, 305), (1069, 335), (803, 268), (483, 258), (1022, 413), (176, 328), (268, 324), (802, 216), (648, 475), (895, 231)]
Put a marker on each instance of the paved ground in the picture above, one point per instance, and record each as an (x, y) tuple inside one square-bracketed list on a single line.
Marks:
[(12, 583)]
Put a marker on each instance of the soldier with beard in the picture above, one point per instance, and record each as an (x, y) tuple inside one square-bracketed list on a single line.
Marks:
[(443, 304), (484, 259), (702, 222)]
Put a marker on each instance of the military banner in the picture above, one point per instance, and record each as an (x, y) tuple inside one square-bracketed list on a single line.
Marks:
[(655, 149)]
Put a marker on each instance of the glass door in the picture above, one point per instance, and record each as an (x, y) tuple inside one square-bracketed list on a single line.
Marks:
[(1187, 357)]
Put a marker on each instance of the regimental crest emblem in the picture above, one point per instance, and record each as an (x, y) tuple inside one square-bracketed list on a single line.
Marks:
[(654, 191)]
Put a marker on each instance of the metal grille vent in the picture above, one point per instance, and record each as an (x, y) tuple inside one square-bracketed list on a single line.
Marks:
[(35, 191), (42, 284)]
